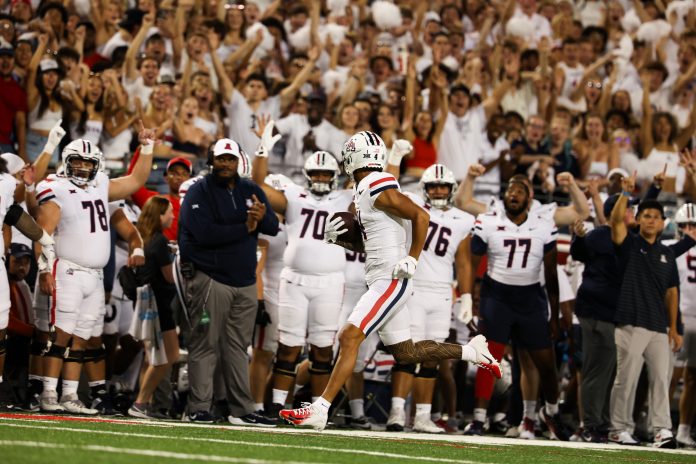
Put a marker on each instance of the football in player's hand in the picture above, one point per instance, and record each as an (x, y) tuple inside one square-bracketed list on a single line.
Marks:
[(351, 226)]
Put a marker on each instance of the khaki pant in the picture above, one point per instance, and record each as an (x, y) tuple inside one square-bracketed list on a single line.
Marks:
[(635, 346)]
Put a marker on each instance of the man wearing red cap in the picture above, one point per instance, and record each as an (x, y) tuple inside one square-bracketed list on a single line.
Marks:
[(179, 170)]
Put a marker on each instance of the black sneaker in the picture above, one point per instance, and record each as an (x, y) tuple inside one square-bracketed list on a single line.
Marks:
[(102, 403), (32, 403), (474, 428), (590, 435), (554, 424), (252, 420), (273, 411), (199, 417), (499, 427)]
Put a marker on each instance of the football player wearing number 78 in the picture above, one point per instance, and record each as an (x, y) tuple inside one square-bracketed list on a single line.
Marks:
[(74, 209), (389, 268)]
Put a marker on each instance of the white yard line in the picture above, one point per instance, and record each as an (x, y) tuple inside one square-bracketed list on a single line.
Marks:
[(240, 442), (142, 452)]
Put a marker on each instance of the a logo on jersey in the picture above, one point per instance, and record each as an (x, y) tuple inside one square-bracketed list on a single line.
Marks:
[(663, 259), (303, 195), (501, 228), (69, 272), (195, 206), (249, 203), (72, 191)]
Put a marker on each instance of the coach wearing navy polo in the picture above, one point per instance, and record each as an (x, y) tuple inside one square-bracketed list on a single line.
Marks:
[(219, 223), (646, 318)]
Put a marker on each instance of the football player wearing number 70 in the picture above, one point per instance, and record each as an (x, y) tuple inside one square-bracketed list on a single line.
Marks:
[(74, 208), (311, 282), (389, 269)]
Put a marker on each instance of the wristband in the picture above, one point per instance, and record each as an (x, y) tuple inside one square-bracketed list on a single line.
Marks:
[(30, 188), (148, 148), (137, 252), (46, 240)]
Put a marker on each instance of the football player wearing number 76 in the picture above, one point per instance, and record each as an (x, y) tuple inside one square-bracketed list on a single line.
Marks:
[(389, 268), (74, 208)]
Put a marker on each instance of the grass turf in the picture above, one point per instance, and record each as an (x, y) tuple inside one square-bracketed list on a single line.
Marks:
[(75, 442)]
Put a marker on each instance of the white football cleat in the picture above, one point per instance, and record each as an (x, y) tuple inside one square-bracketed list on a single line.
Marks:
[(423, 424), (49, 402), (73, 405), (396, 420), (484, 358), (308, 415)]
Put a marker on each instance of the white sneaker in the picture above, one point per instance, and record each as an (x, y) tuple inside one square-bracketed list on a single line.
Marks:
[(665, 439), (308, 415), (686, 442), (396, 420), (73, 405), (484, 358), (526, 429), (425, 425), (622, 438), (49, 402)]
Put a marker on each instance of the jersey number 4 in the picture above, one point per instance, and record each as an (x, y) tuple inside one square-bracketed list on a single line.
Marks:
[(442, 241), (512, 243), (96, 208)]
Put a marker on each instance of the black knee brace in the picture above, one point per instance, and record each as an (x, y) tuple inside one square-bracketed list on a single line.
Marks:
[(407, 368), (427, 372), (286, 368), (37, 347), (75, 356), (55, 351), (319, 367), (3, 346), (94, 355)]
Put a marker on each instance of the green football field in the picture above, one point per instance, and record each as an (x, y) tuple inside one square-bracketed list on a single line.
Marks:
[(70, 440)]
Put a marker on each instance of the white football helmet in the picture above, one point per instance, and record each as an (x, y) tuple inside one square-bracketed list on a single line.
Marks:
[(437, 174), (321, 161), (85, 150), (278, 181), (686, 214), (364, 150)]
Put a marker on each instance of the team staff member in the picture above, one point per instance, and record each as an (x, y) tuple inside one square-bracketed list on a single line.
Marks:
[(220, 220), (646, 318)]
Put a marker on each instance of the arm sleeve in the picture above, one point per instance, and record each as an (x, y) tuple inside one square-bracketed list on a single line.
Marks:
[(197, 218), (652, 193), (578, 249), (269, 223)]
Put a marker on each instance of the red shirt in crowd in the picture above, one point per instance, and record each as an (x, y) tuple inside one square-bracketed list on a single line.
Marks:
[(424, 154), (13, 99)]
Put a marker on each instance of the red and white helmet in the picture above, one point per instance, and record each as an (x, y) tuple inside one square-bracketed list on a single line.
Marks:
[(437, 174), (321, 161), (85, 150), (364, 150), (686, 214)]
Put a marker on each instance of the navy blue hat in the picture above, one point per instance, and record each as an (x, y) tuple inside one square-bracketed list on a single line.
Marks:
[(19, 250), (611, 201)]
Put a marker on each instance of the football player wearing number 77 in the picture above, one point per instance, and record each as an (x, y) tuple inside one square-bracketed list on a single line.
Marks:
[(74, 208), (381, 210)]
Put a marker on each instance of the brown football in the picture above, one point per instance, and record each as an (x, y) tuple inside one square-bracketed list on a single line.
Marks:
[(351, 224)]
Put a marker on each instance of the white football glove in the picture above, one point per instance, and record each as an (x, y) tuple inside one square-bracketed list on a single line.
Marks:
[(465, 312), (399, 149), (333, 229), (268, 140), (55, 135), (48, 254), (405, 268)]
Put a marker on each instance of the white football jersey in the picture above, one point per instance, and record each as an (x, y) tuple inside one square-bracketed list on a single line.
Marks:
[(305, 217), (446, 230), (82, 235), (686, 264), (274, 259), (384, 235), (516, 253), (8, 184), (355, 269), (183, 188)]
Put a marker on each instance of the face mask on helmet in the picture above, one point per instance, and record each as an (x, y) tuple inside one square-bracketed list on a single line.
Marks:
[(686, 215), (438, 174), (364, 150), (90, 158), (321, 162)]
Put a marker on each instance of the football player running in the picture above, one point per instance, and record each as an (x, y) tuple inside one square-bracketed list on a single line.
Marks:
[(381, 211), (311, 282), (74, 208)]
